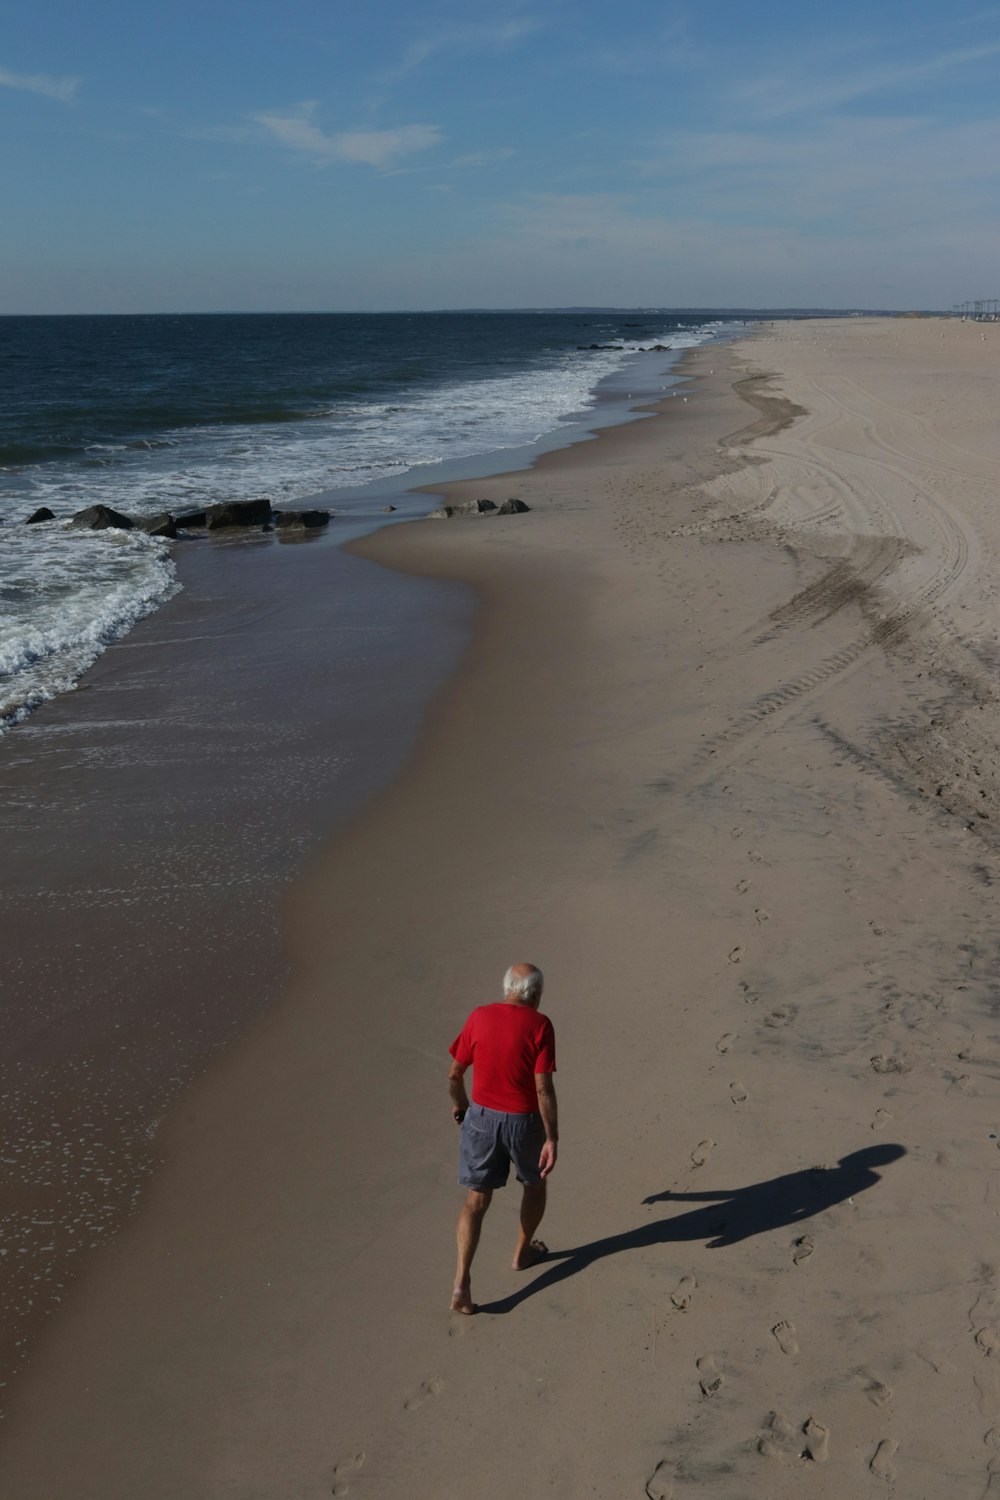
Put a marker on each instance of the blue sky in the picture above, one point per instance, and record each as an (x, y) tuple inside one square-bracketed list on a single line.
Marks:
[(311, 155)]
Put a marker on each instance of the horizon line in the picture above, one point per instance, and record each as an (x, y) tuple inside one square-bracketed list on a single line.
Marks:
[(853, 310)]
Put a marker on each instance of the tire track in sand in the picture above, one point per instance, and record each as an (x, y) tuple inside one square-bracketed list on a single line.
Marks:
[(878, 541)]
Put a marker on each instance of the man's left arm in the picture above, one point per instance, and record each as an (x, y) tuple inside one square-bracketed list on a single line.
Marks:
[(547, 1108), (456, 1088)]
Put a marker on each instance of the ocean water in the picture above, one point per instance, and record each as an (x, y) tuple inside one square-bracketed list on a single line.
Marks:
[(156, 413)]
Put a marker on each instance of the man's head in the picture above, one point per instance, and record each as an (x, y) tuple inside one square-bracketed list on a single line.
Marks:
[(523, 984)]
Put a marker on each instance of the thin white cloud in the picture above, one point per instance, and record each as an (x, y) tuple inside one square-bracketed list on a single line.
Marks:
[(62, 89), (838, 178), (484, 158), (382, 148), (227, 135), (770, 98), (374, 148), (670, 48), (492, 36), (840, 154), (588, 222)]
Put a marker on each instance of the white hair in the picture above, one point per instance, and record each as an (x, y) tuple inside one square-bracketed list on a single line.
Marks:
[(525, 986)]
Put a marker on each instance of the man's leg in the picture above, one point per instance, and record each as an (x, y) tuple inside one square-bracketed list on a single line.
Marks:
[(527, 1250), (470, 1222)]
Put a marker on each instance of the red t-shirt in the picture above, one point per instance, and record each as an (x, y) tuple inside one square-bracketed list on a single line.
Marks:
[(506, 1045)]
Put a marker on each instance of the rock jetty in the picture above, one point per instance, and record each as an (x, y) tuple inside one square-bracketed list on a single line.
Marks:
[(242, 514), (512, 507)]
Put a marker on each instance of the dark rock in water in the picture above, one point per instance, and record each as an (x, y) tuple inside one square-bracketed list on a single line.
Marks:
[(467, 508), (475, 508), (513, 508), (388, 507), (238, 513), (42, 514), (302, 518), (190, 519), (161, 525), (101, 518)]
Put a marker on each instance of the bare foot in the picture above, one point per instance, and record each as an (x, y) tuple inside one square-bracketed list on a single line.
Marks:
[(530, 1255), (461, 1301)]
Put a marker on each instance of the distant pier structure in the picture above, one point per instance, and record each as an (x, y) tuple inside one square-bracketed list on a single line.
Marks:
[(979, 310)]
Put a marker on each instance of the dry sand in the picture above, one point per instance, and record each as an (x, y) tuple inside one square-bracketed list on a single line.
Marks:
[(721, 758)]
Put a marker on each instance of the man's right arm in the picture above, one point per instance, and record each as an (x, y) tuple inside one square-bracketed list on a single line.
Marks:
[(456, 1088), (547, 1108)]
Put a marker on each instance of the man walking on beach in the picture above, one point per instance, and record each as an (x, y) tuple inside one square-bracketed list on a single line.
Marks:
[(512, 1118)]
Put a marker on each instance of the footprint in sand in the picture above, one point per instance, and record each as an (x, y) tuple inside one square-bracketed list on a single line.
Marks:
[(761, 915), (881, 1119), (750, 995), (344, 1472), (726, 1040), (891, 1064), (877, 929), (736, 833), (660, 1484), (986, 1302), (736, 955), (817, 1441), (782, 1015), (992, 1438), (802, 1248), (988, 1340), (702, 1152), (933, 1355), (882, 1465), (709, 1377), (683, 1292), (784, 1332), (879, 1392), (737, 1093), (743, 886), (986, 1393), (426, 1389), (778, 1440), (755, 856)]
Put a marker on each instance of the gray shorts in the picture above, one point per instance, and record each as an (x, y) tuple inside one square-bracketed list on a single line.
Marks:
[(491, 1140)]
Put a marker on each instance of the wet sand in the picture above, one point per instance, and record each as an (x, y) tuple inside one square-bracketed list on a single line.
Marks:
[(720, 758), (151, 820)]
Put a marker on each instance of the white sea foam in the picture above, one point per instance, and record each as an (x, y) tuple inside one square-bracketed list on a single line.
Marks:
[(357, 442), (64, 596)]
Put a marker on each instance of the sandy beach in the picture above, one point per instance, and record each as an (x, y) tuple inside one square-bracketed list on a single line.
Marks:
[(721, 758)]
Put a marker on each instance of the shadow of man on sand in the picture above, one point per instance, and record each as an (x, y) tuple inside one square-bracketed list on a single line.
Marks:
[(734, 1214)]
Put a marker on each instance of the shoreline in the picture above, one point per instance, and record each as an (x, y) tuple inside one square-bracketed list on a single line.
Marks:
[(292, 921), (145, 580), (152, 820), (110, 1017), (683, 765)]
